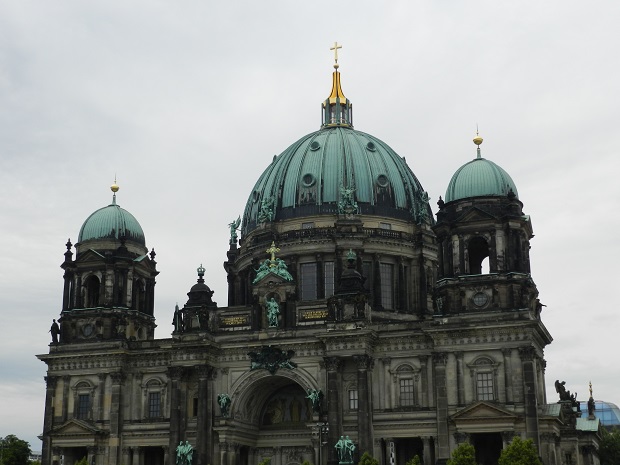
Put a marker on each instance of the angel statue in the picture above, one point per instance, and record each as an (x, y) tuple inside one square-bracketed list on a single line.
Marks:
[(234, 226)]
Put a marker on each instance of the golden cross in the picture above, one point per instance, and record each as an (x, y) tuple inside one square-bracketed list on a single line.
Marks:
[(335, 49), (272, 250)]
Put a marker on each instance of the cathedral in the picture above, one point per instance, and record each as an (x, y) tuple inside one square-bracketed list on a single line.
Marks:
[(353, 312)]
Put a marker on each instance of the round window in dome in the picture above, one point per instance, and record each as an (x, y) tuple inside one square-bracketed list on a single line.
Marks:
[(371, 146), (480, 299), (314, 146), (382, 180), (308, 180)]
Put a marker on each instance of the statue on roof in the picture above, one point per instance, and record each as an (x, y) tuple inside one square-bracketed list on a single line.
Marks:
[(55, 331), (266, 212), (234, 226), (273, 265), (347, 204)]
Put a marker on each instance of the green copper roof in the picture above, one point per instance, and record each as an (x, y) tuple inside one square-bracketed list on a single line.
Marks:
[(479, 178), (111, 222), (307, 179)]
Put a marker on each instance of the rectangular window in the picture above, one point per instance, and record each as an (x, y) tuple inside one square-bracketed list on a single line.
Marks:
[(367, 273), (353, 400), (406, 393), (83, 406), (484, 386), (385, 225), (329, 279), (154, 405), (309, 225), (308, 281), (386, 271)]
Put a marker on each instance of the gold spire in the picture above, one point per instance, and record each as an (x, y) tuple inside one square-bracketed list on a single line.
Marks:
[(337, 110), (478, 140), (114, 188)]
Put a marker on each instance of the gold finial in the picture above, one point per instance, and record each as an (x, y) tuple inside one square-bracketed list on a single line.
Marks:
[(335, 49), (114, 187), (272, 250), (478, 140)]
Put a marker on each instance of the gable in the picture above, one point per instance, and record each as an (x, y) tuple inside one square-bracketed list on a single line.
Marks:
[(474, 214), (75, 428), (484, 417)]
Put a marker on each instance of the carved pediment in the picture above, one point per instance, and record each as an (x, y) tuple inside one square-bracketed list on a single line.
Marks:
[(484, 416), (90, 255), (474, 214), (75, 428)]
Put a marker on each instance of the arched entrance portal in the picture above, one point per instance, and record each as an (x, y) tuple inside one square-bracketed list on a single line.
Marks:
[(271, 419)]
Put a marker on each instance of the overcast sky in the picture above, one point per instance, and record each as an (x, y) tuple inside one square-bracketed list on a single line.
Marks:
[(187, 102)]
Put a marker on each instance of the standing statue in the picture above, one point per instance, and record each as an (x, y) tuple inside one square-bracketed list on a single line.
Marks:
[(315, 397), (224, 401), (55, 331), (273, 310), (184, 453), (177, 319), (345, 449), (233, 230)]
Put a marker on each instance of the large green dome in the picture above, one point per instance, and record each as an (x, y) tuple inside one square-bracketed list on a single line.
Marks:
[(308, 178), (480, 178), (112, 222)]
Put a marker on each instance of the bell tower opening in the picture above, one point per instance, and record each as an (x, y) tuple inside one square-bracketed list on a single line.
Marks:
[(478, 249)]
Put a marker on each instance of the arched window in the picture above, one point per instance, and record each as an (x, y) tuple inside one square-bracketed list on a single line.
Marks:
[(83, 400), (139, 295), (478, 250), (483, 371), (92, 285)]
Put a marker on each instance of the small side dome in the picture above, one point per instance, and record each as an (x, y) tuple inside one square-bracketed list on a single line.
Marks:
[(112, 222), (480, 178)]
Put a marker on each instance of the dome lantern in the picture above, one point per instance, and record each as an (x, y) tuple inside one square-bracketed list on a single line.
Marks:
[(337, 109)]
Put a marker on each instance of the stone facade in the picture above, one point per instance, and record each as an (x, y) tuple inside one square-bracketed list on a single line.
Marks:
[(412, 345)]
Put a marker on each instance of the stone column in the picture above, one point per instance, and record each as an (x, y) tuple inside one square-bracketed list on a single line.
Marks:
[(65, 397), (48, 419), (333, 365), (529, 386), (126, 456), (203, 423), (116, 415), (223, 453), (507, 353), (99, 415), (364, 410), (427, 452), (174, 374), (460, 378), (424, 380), (507, 437), (385, 401), (441, 394), (166, 449), (390, 451)]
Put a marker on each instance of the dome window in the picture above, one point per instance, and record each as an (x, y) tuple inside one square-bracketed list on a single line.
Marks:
[(382, 180), (371, 146), (308, 180), (314, 146)]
